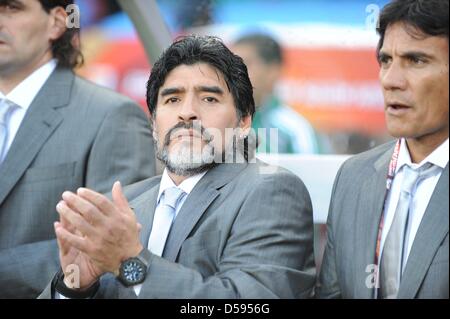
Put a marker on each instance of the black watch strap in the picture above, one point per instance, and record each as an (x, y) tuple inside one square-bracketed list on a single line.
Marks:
[(145, 256), (61, 288)]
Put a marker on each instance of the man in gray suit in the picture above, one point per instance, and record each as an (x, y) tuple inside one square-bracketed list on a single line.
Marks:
[(214, 225), (388, 219), (57, 132)]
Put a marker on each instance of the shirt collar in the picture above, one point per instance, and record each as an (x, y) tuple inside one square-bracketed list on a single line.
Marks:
[(438, 157), (24, 93), (187, 185)]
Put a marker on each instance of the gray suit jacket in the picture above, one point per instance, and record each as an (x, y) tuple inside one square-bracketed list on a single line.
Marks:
[(354, 216), (239, 234), (74, 134)]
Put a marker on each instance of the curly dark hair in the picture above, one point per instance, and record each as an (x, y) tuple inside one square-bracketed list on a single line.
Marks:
[(66, 49), (194, 49)]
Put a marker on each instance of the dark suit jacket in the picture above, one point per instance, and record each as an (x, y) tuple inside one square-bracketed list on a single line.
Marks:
[(74, 134), (243, 232), (354, 216)]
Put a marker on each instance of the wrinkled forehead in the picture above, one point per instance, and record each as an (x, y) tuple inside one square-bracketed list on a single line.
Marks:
[(200, 73), (410, 31), (408, 37)]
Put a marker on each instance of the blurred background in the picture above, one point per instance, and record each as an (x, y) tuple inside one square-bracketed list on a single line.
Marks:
[(329, 75)]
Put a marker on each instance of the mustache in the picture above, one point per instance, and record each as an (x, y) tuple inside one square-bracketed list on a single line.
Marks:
[(195, 126)]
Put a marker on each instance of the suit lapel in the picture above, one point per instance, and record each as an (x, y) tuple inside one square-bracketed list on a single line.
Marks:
[(198, 201), (144, 207), (431, 232), (367, 221), (38, 124)]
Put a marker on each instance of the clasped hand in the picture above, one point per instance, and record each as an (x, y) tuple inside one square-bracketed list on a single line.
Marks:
[(95, 233)]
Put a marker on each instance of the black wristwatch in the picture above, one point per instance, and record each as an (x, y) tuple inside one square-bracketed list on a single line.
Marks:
[(134, 270), (60, 287)]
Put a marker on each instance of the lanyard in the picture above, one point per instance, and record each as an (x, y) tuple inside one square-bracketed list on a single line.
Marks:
[(389, 180)]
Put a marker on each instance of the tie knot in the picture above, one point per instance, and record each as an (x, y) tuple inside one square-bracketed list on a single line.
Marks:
[(5, 107), (413, 176), (172, 195)]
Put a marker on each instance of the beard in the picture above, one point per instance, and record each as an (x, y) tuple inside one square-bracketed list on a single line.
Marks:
[(184, 159)]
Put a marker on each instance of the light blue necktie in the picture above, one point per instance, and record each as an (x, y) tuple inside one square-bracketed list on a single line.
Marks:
[(163, 219), (394, 247), (5, 110)]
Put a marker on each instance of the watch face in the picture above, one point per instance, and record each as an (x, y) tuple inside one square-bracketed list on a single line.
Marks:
[(133, 271)]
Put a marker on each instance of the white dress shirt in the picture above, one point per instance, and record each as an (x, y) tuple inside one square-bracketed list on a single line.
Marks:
[(421, 194), (166, 182), (23, 95)]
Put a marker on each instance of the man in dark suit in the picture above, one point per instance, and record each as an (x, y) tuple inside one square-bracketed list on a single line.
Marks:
[(57, 132), (216, 224), (388, 219)]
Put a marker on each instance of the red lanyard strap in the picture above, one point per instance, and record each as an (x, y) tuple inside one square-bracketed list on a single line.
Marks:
[(389, 180)]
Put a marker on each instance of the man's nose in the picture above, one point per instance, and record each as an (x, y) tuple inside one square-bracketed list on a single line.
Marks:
[(188, 112), (392, 77)]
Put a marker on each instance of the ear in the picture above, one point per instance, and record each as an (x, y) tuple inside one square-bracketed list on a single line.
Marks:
[(151, 117), (153, 126), (58, 25), (245, 124)]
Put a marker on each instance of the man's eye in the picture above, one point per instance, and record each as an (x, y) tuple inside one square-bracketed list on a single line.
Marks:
[(384, 60), (9, 7), (210, 99), (172, 100), (416, 60)]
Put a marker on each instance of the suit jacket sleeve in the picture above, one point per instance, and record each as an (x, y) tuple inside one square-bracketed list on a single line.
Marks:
[(268, 252), (328, 284), (26, 269)]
